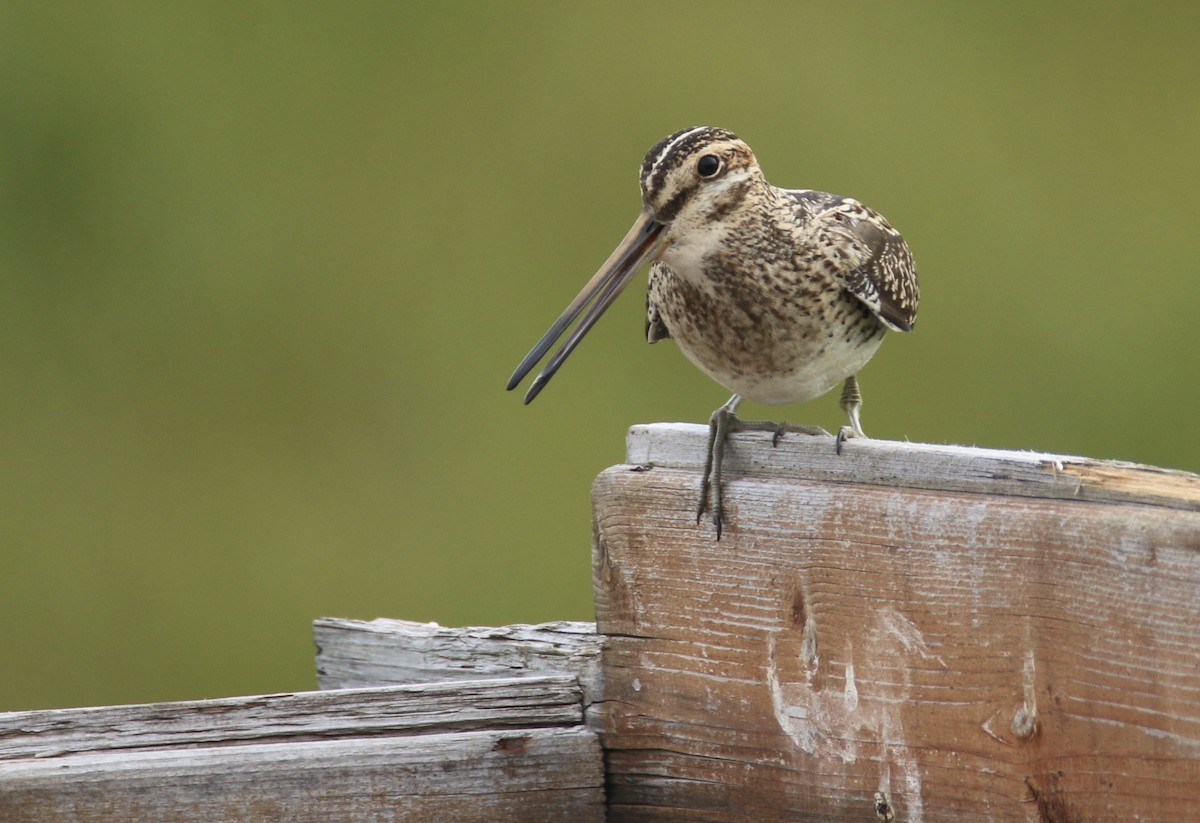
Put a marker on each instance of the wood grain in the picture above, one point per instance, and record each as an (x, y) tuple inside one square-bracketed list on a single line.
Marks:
[(546, 775), (920, 466), (352, 653), (485, 750), (415, 709), (962, 635)]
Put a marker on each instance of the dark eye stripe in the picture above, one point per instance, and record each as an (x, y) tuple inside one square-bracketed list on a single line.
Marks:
[(670, 208)]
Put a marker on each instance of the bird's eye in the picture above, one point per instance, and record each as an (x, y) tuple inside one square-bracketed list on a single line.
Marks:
[(708, 165)]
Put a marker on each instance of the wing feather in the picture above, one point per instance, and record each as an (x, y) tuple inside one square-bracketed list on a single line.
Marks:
[(880, 270), (886, 281)]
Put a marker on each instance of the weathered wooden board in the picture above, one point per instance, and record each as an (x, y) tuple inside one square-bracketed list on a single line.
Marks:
[(921, 466), (547, 775), (902, 632), (394, 710), (482, 750), (353, 653)]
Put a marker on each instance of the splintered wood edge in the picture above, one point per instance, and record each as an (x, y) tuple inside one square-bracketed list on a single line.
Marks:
[(357, 653), (463, 705), (919, 465)]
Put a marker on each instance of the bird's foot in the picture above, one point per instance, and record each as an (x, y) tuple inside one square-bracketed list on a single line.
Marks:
[(796, 428), (846, 433), (778, 430), (722, 422), (720, 425)]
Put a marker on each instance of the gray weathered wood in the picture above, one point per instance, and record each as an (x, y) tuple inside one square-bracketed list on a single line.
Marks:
[(919, 466), (469, 750), (934, 633), (378, 652), (513, 776), (394, 710)]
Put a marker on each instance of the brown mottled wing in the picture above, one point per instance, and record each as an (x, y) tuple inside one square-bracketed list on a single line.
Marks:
[(887, 280), (883, 275), (656, 327)]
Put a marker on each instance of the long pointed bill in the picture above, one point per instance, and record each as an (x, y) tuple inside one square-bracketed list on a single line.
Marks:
[(641, 241)]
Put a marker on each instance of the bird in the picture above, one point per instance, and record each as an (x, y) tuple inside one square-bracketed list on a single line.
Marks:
[(776, 294)]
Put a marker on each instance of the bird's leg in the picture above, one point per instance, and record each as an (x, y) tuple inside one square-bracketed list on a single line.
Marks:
[(851, 403), (722, 421)]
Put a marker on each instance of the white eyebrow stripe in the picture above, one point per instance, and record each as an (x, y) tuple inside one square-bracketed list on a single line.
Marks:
[(667, 148)]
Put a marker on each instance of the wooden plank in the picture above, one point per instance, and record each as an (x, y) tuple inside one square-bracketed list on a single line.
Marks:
[(494, 776), (952, 635), (354, 653), (920, 466), (395, 710)]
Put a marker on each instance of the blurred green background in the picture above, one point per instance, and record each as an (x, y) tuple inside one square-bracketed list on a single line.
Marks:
[(265, 268)]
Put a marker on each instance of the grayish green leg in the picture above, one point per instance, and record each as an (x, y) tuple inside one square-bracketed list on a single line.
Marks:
[(851, 403), (720, 424)]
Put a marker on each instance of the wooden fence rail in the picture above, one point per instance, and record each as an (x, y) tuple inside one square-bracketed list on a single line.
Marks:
[(901, 632), (461, 751)]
